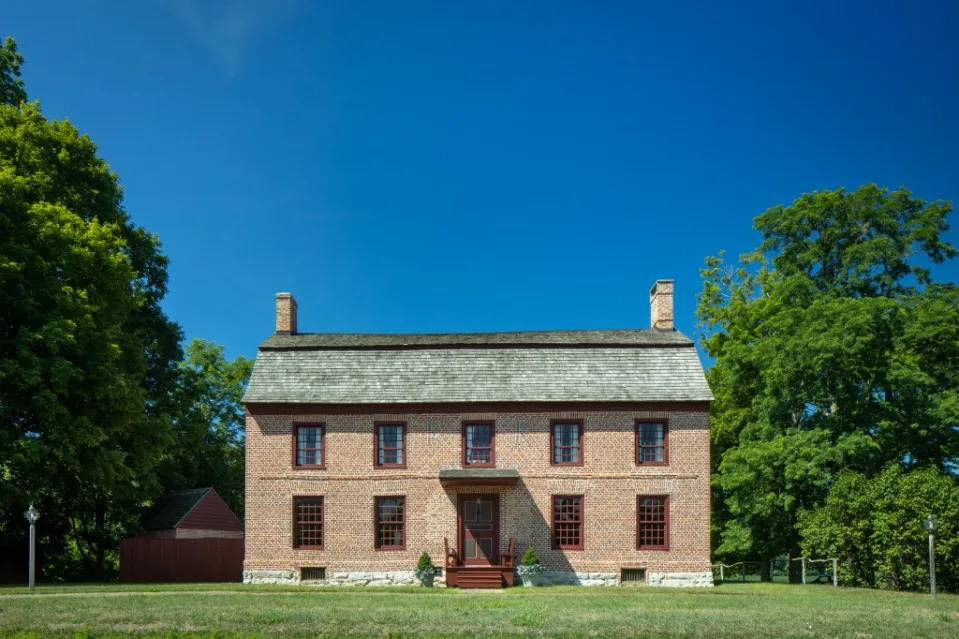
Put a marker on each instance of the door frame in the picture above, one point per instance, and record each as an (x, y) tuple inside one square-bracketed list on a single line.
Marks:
[(461, 528)]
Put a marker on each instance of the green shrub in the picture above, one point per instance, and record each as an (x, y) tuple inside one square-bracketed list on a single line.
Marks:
[(530, 558), (425, 562)]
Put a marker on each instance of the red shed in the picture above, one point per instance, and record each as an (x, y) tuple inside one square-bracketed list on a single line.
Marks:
[(188, 536), (192, 514)]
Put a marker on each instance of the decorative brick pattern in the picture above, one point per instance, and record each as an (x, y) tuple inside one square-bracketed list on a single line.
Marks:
[(609, 481)]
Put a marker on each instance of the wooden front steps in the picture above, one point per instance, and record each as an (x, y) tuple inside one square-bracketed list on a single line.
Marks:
[(479, 576)]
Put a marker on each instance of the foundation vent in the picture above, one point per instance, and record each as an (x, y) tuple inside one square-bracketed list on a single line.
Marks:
[(312, 574), (632, 576)]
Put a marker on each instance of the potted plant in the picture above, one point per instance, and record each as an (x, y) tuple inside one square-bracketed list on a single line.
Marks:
[(425, 570), (529, 569)]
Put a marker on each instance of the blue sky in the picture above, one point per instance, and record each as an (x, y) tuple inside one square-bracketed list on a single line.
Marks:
[(422, 167)]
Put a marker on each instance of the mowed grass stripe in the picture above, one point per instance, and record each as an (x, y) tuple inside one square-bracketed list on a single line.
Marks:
[(760, 610)]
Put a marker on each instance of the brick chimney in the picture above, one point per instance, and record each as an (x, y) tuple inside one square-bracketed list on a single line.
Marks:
[(285, 314), (661, 305)]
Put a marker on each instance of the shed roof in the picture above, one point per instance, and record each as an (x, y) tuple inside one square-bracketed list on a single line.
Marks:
[(542, 366), (170, 510)]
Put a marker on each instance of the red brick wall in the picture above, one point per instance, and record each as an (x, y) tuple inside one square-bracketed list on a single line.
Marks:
[(211, 513), (609, 481)]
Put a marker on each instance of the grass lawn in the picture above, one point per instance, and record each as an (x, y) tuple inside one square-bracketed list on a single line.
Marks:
[(755, 610)]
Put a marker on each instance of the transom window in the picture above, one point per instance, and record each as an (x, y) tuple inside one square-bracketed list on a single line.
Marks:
[(652, 442), (567, 443), (308, 522), (568, 522), (652, 523), (478, 447), (390, 523), (391, 445), (308, 446)]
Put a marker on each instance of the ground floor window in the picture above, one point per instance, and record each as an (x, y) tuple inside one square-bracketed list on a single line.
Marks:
[(390, 523), (308, 522), (568, 522), (652, 522)]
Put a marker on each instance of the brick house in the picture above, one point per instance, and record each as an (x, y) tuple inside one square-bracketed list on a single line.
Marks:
[(365, 450)]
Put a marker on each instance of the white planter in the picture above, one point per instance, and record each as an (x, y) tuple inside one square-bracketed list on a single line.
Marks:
[(530, 579)]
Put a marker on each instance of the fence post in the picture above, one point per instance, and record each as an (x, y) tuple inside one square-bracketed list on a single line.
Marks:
[(835, 573), (744, 572), (722, 576), (803, 560)]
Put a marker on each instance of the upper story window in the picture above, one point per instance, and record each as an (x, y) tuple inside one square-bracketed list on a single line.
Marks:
[(308, 522), (390, 533), (478, 444), (309, 446), (652, 442), (568, 522), (390, 445), (652, 522), (566, 442)]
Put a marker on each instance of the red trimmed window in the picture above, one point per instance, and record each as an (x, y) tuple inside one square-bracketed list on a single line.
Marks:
[(309, 446), (566, 443), (308, 522), (390, 523), (568, 522), (652, 523), (478, 444), (391, 445), (652, 442)]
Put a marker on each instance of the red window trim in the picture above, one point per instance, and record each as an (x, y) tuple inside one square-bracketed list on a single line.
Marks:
[(651, 420), (376, 522), (582, 523), (376, 445), (492, 442), (296, 522), (552, 440), (665, 546), (296, 429)]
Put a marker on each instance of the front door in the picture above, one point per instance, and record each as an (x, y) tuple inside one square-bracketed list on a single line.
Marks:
[(479, 529)]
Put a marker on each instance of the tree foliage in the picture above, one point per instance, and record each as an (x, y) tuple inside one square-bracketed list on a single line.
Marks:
[(208, 425), (834, 349), (11, 86), (874, 527), (99, 415)]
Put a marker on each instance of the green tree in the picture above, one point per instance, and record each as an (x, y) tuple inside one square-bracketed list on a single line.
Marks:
[(11, 86), (209, 425), (87, 356), (874, 527), (833, 350)]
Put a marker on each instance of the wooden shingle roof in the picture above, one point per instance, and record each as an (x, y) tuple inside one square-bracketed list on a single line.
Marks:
[(544, 366)]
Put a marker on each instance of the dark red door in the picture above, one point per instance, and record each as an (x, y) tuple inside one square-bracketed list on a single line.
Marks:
[(479, 529)]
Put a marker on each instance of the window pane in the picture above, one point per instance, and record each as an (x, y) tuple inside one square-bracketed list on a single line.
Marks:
[(651, 434), (308, 522), (309, 443), (390, 522), (652, 521), (567, 522), (486, 547), (469, 548), (485, 511)]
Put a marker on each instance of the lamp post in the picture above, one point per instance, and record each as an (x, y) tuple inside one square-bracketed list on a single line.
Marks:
[(32, 515), (930, 525)]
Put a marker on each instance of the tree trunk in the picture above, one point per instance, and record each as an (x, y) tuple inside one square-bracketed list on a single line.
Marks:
[(795, 567), (765, 569), (100, 534)]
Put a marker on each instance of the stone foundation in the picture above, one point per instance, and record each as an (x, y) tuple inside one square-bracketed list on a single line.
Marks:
[(408, 578), (292, 577), (570, 578), (680, 579), (287, 577)]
